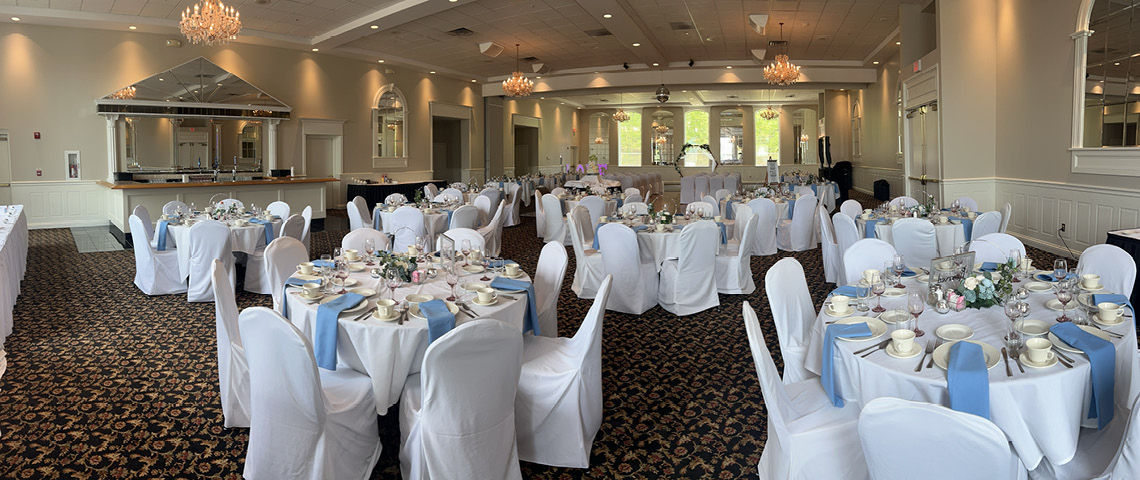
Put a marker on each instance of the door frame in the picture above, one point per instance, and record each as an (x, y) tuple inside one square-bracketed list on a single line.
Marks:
[(464, 114), (922, 89), (325, 127)]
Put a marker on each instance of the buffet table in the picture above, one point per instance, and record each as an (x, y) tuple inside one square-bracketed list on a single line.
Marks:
[(375, 193), (13, 264)]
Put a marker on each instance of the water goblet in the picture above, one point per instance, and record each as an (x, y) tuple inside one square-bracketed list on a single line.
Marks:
[(878, 287), (370, 248), (336, 255), (452, 279), (1013, 341), (899, 267), (1060, 269), (1012, 308), (916, 303), (342, 275), (393, 282), (1064, 295), (465, 247)]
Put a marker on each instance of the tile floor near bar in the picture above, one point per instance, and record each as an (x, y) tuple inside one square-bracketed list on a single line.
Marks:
[(94, 239)]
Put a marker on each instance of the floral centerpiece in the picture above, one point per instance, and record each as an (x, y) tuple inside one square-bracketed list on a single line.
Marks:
[(983, 290), (402, 264)]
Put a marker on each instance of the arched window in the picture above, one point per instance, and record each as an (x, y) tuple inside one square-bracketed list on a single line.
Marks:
[(856, 130), (767, 138), (629, 141), (731, 136), (389, 110), (696, 133)]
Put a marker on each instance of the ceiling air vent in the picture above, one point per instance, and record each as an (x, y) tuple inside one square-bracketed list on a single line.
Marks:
[(777, 43), (598, 32), (681, 26), (529, 59), (460, 32)]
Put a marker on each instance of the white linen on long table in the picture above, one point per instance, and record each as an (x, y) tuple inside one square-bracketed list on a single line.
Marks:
[(386, 351), (1041, 411), (13, 262), (947, 236), (245, 239)]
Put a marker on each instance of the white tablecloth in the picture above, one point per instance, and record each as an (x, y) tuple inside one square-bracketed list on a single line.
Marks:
[(569, 202), (1041, 410), (434, 223), (13, 264), (783, 212), (245, 239), (386, 351), (947, 236), (656, 247)]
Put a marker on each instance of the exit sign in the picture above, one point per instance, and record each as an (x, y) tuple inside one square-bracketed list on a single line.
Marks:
[(917, 66)]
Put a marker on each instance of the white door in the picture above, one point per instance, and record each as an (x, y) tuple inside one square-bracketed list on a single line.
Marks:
[(923, 161), (319, 163)]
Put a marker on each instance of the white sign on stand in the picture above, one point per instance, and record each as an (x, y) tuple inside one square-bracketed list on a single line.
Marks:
[(773, 171)]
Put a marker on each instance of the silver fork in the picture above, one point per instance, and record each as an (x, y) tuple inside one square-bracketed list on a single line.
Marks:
[(929, 350), (937, 343)]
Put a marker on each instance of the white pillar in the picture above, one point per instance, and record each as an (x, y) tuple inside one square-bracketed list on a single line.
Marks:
[(271, 144), (112, 147)]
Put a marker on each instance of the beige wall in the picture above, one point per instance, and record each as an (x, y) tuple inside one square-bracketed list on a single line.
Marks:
[(555, 134), (879, 104), (968, 87)]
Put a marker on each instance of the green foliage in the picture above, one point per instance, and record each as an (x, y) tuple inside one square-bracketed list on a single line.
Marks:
[(697, 133), (629, 141), (767, 139)]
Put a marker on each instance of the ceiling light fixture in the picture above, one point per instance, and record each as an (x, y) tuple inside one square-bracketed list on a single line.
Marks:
[(132, 27), (518, 85), (607, 16), (210, 24), (637, 44), (126, 93), (620, 115), (898, 43), (729, 67), (782, 71), (655, 64), (598, 139), (768, 113), (379, 61), (375, 27), (316, 49), (876, 63), (662, 94), (15, 19), (433, 71)]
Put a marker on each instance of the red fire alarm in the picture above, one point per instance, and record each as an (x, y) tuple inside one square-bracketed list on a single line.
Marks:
[(37, 135)]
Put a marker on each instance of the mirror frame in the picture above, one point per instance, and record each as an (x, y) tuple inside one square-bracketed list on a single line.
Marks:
[(389, 88)]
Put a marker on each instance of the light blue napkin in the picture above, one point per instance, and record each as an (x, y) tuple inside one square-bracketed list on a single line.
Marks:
[(162, 235), (827, 376), (598, 226), (848, 290), (440, 319), (967, 226), (285, 292), (1102, 360), (324, 346), (728, 210), (1116, 298), (968, 380), (723, 233), (500, 263), (268, 228), (376, 218), (450, 212), (299, 282), (870, 227), (907, 272), (990, 266), (323, 263), (530, 321), (1048, 277)]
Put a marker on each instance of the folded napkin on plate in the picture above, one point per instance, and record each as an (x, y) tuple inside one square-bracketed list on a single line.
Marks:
[(907, 272), (440, 319), (324, 345), (1102, 360), (530, 321), (1049, 277), (990, 266), (870, 227), (968, 380), (1098, 298), (301, 281), (323, 263), (827, 375), (268, 228), (500, 263), (848, 290), (162, 235)]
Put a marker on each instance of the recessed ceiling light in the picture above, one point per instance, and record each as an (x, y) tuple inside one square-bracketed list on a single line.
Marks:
[(219, 84), (474, 81), (161, 79), (898, 43), (729, 67), (876, 63), (1117, 63), (379, 61), (542, 98), (684, 91), (538, 77), (607, 16), (654, 64), (316, 49), (637, 44), (433, 71), (132, 27), (375, 27), (15, 19)]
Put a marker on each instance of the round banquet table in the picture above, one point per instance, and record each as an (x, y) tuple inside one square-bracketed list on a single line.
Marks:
[(386, 351), (947, 236), (656, 247), (570, 201), (783, 212), (1041, 411), (246, 239), (434, 223)]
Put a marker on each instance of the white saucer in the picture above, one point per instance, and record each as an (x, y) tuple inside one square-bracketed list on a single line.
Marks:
[(1031, 327), (364, 292), (472, 269), (1057, 342), (895, 316), (1055, 304), (356, 267), (1029, 363), (348, 282), (302, 296), (953, 332), (914, 351), (1092, 289), (878, 328), (1038, 286), (1096, 318), (846, 313), (894, 292), (389, 318), (492, 302), (942, 354), (521, 274), (417, 298), (922, 279)]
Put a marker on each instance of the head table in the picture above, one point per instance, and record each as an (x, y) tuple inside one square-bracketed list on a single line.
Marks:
[(385, 350), (1041, 411), (245, 239)]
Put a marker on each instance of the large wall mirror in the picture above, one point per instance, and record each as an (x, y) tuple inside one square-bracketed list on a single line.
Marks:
[(390, 136), (731, 136), (161, 143), (600, 137), (1112, 92), (662, 134), (805, 129)]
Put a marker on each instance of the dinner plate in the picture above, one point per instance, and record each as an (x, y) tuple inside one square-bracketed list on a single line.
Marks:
[(895, 316), (307, 278), (473, 286), (1119, 320), (415, 309), (364, 292), (894, 292), (417, 298), (1029, 363), (1057, 342), (348, 282), (923, 278), (953, 332), (1031, 327), (942, 354), (878, 328), (1038, 287), (472, 269), (359, 307), (356, 267), (1055, 304), (517, 276)]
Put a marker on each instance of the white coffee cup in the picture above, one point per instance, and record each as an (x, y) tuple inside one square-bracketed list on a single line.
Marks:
[(1040, 350), (305, 268), (840, 303), (486, 295), (945, 265), (660, 227), (311, 289), (1090, 280), (384, 307), (867, 211), (511, 269), (413, 250), (602, 219), (351, 254), (943, 219), (165, 217), (903, 340), (870, 275), (718, 219), (971, 215), (1108, 311)]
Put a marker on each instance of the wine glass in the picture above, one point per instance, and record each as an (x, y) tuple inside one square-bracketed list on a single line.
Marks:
[(899, 267), (916, 303), (369, 248), (1013, 308), (878, 287), (1064, 295), (486, 263), (465, 247), (1015, 255), (393, 280), (452, 279), (193, 208), (1060, 269), (342, 275), (336, 253)]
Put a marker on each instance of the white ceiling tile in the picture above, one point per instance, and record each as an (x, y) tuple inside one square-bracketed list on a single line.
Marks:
[(65, 4), (128, 7), (33, 3)]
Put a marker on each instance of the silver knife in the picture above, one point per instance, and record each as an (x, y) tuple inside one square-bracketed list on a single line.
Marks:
[(365, 314), (882, 344), (1008, 371), (1017, 360)]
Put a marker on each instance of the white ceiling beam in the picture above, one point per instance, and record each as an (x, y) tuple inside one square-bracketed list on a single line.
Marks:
[(391, 16)]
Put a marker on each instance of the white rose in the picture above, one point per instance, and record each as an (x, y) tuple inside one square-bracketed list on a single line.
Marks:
[(970, 283)]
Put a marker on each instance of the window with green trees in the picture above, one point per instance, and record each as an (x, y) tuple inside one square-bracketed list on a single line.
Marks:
[(629, 141), (767, 138), (696, 133)]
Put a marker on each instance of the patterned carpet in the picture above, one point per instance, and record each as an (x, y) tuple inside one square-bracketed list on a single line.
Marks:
[(105, 382)]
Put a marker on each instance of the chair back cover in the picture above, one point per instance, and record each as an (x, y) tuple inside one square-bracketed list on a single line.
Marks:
[(355, 240), (639, 208), (281, 259), (595, 205), (555, 226), (279, 208), (307, 214), (495, 194), (209, 241), (722, 194), (846, 232), (985, 224), (631, 191), (585, 275), (558, 191), (979, 448), (1127, 460), (967, 202), (832, 262), (466, 216), (233, 372), (865, 254), (171, 208), (765, 211), (580, 216), (1115, 266), (914, 238), (700, 186), (694, 288), (776, 398), (539, 215), (511, 214), (395, 199), (431, 191), (355, 216), (407, 224), (803, 223), (732, 183), (634, 198), (904, 201), (483, 204), (493, 231), (467, 426), (705, 207), (688, 194), (716, 182), (1007, 242), (548, 279), (294, 226), (452, 193), (633, 292), (851, 208), (147, 227), (626, 183), (793, 314), (741, 214), (461, 234), (153, 276), (362, 207), (712, 201), (1006, 212), (986, 251)]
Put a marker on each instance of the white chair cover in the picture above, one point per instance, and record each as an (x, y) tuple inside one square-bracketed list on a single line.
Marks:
[(307, 214), (395, 199), (461, 234), (362, 207), (985, 224), (548, 284), (281, 259), (224, 204), (700, 186), (741, 214), (493, 232), (494, 194), (1115, 266), (147, 231), (209, 241), (832, 262), (579, 219), (407, 225), (558, 191), (635, 283), (688, 192), (355, 240), (294, 227), (156, 273), (588, 264), (914, 238), (803, 190), (716, 182), (851, 208), (734, 269), (558, 408), (639, 208), (539, 215), (732, 183), (793, 313), (233, 371), (355, 217), (595, 205), (688, 283), (808, 439), (985, 251), (279, 208), (709, 199), (1112, 453), (626, 182), (796, 235), (1006, 213), (846, 234), (466, 216), (766, 224), (305, 424), (904, 201), (1008, 242), (483, 204), (865, 254), (171, 208), (705, 207), (457, 416), (431, 191), (967, 202), (511, 214), (947, 445), (555, 222), (634, 198), (631, 191), (452, 193)]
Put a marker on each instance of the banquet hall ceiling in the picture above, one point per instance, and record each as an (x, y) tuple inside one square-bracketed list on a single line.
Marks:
[(565, 35)]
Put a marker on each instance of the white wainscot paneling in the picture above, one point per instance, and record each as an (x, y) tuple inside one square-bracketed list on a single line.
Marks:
[(863, 179), (61, 204), (1088, 212), (981, 190)]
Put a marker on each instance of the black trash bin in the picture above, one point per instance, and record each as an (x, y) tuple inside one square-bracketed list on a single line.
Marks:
[(842, 175), (882, 190)]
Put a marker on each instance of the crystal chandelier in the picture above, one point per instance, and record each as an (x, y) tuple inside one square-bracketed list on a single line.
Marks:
[(125, 93), (662, 129), (210, 24), (620, 115), (768, 113), (518, 85), (782, 71)]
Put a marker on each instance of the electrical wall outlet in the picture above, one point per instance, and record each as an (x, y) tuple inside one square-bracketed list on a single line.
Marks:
[(1062, 227)]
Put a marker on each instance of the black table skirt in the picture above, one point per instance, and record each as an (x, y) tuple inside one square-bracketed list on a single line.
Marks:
[(1132, 246), (376, 193)]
